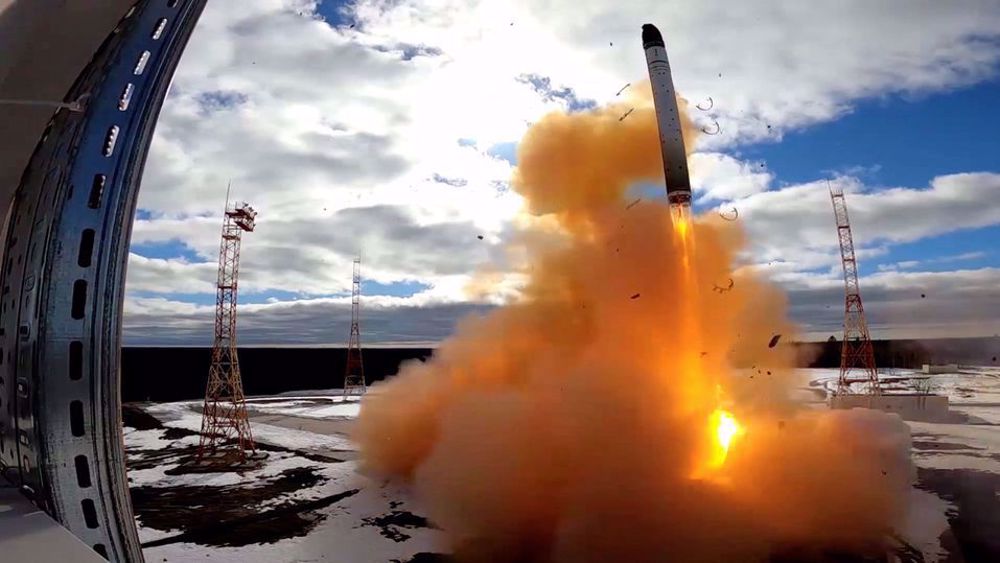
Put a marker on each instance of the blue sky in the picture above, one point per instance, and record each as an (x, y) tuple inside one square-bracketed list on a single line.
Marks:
[(895, 140), (332, 11), (902, 141)]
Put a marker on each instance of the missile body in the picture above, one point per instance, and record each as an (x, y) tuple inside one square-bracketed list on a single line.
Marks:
[(668, 119)]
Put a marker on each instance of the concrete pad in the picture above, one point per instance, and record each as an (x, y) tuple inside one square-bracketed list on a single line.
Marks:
[(27, 534)]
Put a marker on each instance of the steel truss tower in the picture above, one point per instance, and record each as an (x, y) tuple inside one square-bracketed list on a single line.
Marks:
[(225, 430), (354, 375), (856, 350)]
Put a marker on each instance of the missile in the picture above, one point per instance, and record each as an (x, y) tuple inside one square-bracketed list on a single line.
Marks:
[(668, 119)]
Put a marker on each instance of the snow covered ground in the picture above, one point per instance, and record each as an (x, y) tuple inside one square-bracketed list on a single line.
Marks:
[(308, 407), (308, 502), (956, 512)]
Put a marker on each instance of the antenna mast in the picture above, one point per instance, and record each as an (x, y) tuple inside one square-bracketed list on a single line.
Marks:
[(856, 350), (354, 375)]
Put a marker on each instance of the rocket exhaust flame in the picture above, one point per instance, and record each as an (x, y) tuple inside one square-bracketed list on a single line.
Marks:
[(579, 424), (726, 430)]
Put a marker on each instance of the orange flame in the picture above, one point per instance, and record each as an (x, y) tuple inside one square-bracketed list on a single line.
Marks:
[(726, 429)]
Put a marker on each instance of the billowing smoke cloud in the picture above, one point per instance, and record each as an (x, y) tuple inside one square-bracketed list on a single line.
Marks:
[(585, 421)]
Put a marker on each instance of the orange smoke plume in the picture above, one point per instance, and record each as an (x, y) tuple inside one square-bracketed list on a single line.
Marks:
[(611, 413)]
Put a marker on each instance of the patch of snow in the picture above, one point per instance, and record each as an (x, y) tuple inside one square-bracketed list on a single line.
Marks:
[(308, 410), (182, 415), (926, 520)]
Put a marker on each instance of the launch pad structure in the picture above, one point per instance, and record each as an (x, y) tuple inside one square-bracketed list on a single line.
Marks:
[(226, 437)]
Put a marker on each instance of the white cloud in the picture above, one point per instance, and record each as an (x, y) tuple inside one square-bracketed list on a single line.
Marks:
[(905, 304), (718, 176), (799, 218), (347, 140)]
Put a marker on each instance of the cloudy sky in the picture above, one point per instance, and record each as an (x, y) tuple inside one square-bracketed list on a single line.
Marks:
[(389, 128)]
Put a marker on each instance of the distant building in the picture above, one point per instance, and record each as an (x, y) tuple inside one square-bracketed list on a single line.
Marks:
[(940, 368)]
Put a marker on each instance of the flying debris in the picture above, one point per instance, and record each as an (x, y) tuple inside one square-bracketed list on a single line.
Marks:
[(668, 119), (627, 113), (735, 214), (707, 131), (774, 341), (711, 104), (633, 204), (480, 237), (623, 89), (719, 289), (634, 296)]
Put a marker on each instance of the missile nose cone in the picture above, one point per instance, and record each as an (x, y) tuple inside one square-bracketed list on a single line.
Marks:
[(651, 36)]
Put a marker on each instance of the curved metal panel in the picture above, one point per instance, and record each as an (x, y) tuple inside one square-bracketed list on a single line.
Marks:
[(63, 280)]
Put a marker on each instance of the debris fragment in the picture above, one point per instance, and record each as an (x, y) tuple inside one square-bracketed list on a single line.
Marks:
[(733, 214), (781, 424), (774, 341), (611, 43), (923, 296), (627, 113), (623, 89), (635, 296), (631, 205), (718, 289), (480, 237), (703, 354), (768, 372), (711, 104), (718, 129)]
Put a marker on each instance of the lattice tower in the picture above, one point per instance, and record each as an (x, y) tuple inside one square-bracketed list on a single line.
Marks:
[(354, 375), (857, 354), (225, 429)]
